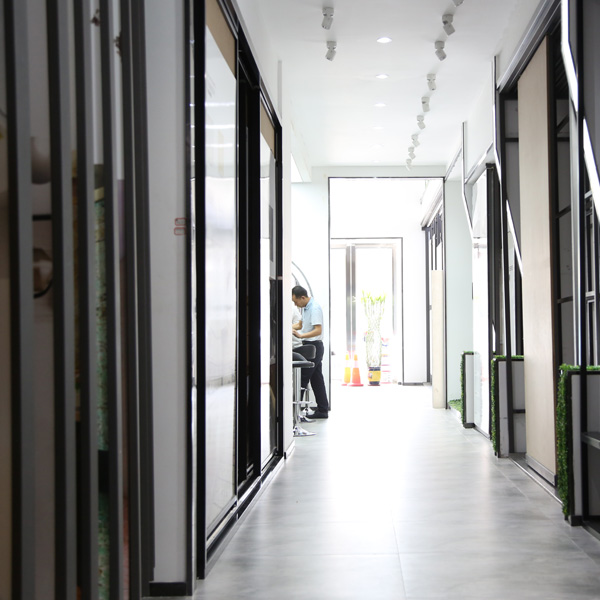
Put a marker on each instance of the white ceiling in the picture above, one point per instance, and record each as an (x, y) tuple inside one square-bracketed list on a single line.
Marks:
[(332, 102)]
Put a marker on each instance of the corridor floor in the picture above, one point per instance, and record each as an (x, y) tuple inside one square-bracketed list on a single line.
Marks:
[(395, 500)]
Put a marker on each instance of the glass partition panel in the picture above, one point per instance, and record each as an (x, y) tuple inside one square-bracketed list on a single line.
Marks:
[(220, 270), (512, 266), (481, 384), (341, 336), (268, 298)]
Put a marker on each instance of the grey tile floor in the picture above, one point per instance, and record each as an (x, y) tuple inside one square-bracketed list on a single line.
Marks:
[(395, 500)]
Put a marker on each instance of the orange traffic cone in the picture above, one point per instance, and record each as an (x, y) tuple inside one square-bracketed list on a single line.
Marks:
[(347, 370), (355, 373)]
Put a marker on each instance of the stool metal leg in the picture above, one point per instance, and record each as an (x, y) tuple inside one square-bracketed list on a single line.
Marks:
[(299, 431)]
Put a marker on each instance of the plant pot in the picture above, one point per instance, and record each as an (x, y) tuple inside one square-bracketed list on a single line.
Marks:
[(374, 375)]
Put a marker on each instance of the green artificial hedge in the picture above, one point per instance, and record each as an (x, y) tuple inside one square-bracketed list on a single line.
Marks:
[(494, 399), (456, 405), (564, 436), (463, 411)]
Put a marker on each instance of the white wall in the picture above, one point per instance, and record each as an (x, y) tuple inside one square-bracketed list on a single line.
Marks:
[(288, 434), (310, 247), (459, 302), (520, 19), (479, 129), (165, 72)]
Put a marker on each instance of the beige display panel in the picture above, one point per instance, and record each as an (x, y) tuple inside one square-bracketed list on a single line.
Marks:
[(538, 339)]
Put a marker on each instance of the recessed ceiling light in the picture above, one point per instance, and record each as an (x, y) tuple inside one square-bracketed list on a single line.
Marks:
[(384, 40), (380, 105), (382, 76)]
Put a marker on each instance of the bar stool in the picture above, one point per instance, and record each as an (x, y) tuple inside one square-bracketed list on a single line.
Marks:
[(308, 351), (299, 362)]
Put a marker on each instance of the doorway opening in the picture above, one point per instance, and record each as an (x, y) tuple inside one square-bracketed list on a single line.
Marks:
[(377, 248)]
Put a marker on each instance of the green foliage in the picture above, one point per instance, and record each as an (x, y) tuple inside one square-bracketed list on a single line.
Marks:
[(494, 400), (495, 429), (564, 436), (374, 307), (456, 405), (564, 439), (463, 410)]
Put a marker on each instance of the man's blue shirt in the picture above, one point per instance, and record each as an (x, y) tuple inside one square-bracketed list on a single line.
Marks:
[(312, 314)]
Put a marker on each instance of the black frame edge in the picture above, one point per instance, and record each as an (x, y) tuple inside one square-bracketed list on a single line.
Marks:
[(64, 303), (21, 298)]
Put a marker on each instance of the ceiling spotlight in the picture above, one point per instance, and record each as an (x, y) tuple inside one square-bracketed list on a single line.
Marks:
[(415, 139), (421, 121), (425, 103), (457, 2), (382, 76), (384, 40), (331, 46), (327, 18), (447, 22), (439, 50), (411, 152), (431, 81)]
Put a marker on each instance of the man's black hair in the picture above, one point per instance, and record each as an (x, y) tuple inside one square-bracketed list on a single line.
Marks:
[(299, 291)]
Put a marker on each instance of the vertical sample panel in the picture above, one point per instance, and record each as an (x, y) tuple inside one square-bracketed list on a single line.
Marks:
[(168, 252), (23, 450), (44, 333), (5, 358), (459, 304), (220, 268), (538, 339), (437, 339), (341, 338)]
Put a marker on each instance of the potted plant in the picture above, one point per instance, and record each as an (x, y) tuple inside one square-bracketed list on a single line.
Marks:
[(374, 307)]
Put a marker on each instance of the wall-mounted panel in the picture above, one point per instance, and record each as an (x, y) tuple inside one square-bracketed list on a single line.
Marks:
[(538, 339), (168, 232), (5, 359)]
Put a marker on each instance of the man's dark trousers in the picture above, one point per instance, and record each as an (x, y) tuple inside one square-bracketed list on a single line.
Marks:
[(315, 376)]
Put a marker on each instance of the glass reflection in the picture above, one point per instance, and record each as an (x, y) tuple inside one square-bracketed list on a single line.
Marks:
[(268, 303), (220, 269), (481, 384)]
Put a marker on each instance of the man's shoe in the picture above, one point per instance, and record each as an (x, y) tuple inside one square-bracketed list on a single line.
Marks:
[(318, 415)]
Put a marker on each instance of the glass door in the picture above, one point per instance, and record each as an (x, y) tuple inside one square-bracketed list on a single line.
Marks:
[(268, 290), (220, 267), (371, 267)]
